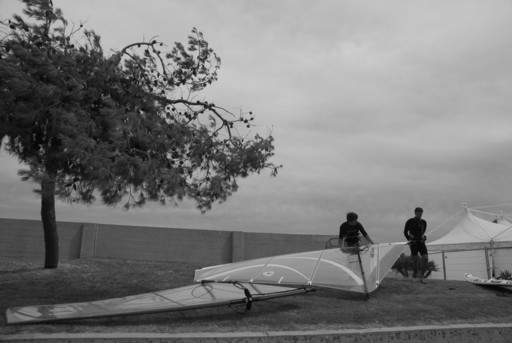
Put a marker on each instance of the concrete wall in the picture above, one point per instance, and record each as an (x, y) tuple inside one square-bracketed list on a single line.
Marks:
[(24, 239)]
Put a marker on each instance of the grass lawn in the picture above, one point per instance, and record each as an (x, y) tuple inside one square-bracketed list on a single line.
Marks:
[(397, 302)]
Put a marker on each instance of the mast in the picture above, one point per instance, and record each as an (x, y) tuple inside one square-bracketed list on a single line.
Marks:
[(362, 272)]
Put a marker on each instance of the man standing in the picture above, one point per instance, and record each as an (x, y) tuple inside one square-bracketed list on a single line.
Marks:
[(414, 232)]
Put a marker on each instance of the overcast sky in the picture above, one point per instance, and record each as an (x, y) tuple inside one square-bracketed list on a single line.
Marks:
[(376, 107)]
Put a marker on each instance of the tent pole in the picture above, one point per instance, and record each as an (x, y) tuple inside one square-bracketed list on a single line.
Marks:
[(493, 264), (444, 264), (486, 250)]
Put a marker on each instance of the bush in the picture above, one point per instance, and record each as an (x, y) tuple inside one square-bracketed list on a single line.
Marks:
[(405, 265), (505, 275)]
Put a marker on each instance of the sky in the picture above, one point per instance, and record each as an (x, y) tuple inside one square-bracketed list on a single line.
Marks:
[(375, 106)]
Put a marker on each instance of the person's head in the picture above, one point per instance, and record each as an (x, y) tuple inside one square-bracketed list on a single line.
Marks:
[(352, 217), (418, 212)]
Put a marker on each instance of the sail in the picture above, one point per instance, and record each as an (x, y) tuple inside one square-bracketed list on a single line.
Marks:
[(331, 268), (353, 269), (183, 298)]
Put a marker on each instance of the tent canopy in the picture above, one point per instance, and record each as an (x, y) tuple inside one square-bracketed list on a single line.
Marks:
[(471, 229), (474, 245)]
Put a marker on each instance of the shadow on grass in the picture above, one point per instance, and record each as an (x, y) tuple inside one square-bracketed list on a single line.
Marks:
[(20, 270), (326, 293), (501, 291)]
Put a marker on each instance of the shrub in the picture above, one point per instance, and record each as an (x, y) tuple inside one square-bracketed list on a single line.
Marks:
[(505, 275), (405, 266)]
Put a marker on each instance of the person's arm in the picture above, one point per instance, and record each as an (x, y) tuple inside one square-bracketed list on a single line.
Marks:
[(424, 230), (369, 239), (364, 233), (342, 231)]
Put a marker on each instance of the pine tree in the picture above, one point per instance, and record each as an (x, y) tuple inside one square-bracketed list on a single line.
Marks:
[(120, 127)]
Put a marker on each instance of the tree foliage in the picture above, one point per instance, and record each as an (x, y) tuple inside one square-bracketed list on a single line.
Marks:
[(127, 127)]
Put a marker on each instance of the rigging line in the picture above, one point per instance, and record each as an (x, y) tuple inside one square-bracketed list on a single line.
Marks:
[(497, 214), (482, 212), (498, 205), (447, 220)]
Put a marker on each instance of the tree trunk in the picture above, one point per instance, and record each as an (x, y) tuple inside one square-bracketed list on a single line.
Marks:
[(51, 238)]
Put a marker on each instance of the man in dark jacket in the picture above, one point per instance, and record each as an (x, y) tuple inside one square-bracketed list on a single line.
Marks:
[(414, 232), (349, 231)]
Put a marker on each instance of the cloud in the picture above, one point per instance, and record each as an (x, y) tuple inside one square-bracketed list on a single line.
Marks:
[(376, 107)]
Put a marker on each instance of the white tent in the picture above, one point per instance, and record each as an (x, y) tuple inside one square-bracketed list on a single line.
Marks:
[(474, 245), (471, 229)]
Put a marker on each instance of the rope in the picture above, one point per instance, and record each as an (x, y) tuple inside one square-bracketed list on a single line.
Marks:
[(248, 296), (447, 220), (498, 205)]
